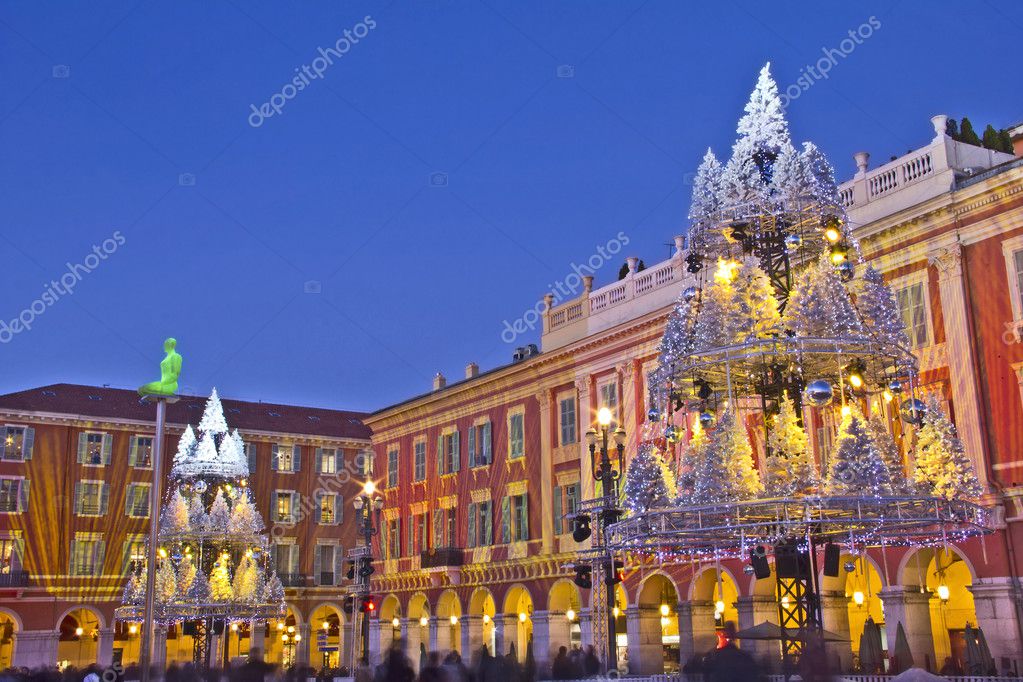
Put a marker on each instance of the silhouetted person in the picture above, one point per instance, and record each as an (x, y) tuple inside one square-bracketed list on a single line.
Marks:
[(591, 664), (561, 668), (432, 672), (363, 673), (728, 663), (813, 662)]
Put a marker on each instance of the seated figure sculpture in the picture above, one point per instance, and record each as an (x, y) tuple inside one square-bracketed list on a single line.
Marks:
[(170, 369)]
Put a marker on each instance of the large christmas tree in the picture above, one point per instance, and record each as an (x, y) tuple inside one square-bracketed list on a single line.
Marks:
[(648, 481), (214, 561), (942, 467)]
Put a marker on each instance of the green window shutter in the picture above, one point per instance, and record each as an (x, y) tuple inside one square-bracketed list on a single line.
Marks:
[(83, 444), (557, 510), (525, 517), (440, 455), (274, 453), (23, 495), (472, 447), (317, 507), (97, 559), (293, 565), (456, 456), (471, 534), (108, 446), (506, 519), (129, 495), (488, 446), (397, 539), (71, 558), (438, 528), (317, 464), (28, 443), (317, 565), (104, 498), (488, 521), (78, 497), (296, 458), (410, 536), (133, 450)]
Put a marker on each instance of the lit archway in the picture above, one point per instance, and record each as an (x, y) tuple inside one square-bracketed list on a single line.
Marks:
[(946, 575), (481, 605), (281, 644), (449, 622), (78, 641), (390, 622), (326, 628), (719, 589), (518, 620), (418, 614), (563, 603), (658, 648), (10, 625)]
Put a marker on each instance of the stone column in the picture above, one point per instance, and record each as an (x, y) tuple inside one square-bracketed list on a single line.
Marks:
[(302, 645), (697, 629), (160, 647), (754, 610), (472, 635), (996, 615), (374, 640), (543, 398), (411, 632), (404, 634), (963, 378), (351, 650), (909, 606), (440, 636), (35, 648), (551, 629), (586, 627), (386, 629), (105, 647), (587, 417), (499, 645), (646, 650), (835, 614), (257, 637), (217, 648)]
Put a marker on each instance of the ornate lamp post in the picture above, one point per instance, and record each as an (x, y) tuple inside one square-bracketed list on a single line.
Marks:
[(605, 471), (365, 504)]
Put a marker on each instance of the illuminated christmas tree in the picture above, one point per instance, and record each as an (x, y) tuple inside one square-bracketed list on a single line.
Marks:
[(648, 481), (819, 305), (789, 467), (890, 455), (727, 471), (880, 313), (706, 188), (942, 466), (858, 467)]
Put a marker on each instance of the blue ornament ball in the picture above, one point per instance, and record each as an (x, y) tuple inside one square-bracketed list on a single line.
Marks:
[(912, 411), (671, 434), (895, 386), (819, 393), (689, 294), (793, 242), (653, 415), (706, 419)]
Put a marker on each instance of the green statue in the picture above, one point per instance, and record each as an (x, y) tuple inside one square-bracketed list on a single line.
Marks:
[(170, 369)]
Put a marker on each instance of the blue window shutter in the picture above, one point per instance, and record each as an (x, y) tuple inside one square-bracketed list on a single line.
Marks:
[(472, 446), (133, 450), (296, 458), (108, 443), (557, 509), (296, 502), (294, 560), (83, 444), (456, 455), (338, 564), (317, 507), (317, 464), (506, 519), (274, 450), (104, 498), (23, 495), (488, 446), (471, 534)]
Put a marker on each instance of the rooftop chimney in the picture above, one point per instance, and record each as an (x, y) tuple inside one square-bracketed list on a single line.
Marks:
[(439, 381), (472, 370)]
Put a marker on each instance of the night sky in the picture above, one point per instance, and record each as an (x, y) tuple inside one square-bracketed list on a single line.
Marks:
[(453, 162)]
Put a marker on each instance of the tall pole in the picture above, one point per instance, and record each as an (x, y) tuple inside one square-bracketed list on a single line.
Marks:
[(607, 482), (146, 647), (367, 532)]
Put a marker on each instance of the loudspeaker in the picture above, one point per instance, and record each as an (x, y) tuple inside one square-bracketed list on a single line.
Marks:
[(790, 562), (831, 556), (190, 628), (218, 627), (758, 560)]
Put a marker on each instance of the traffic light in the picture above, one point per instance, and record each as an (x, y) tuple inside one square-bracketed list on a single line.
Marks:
[(350, 570), (614, 572), (583, 576), (348, 604), (581, 527), (369, 604), (366, 567)]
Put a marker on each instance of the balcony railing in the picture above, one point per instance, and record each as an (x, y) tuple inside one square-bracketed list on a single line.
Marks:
[(442, 557), (14, 579), (292, 579)]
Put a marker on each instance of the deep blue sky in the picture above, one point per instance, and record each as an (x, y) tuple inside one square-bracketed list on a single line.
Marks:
[(414, 278)]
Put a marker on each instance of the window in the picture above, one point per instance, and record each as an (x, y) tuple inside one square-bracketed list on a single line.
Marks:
[(140, 452), (285, 506), (286, 458), (1017, 262), (13, 495), (91, 498), (417, 539), (392, 468), (365, 462), (444, 524), (448, 457), (136, 500), (87, 551), (327, 509), (419, 472), (325, 564), (516, 436), (609, 399), (17, 443), (94, 448), (481, 524), (480, 445), (566, 502), (10, 555), (252, 458), (327, 461), (134, 554), (285, 560), (568, 435), (515, 518), (912, 301), (393, 547)]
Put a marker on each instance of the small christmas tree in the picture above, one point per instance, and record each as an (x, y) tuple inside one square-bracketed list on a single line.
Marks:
[(717, 317), (246, 580), (789, 465), (706, 188), (186, 574), (942, 467), (166, 581), (213, 421), (690, 463), (186, 443), (879, 312), (244, 518), (756, 306), (220, 579), (197, 518), (789, 181), (890, 455), (858, 468), (199, 590), (219, 520), (819, 176), (727, 472), (648, 481), (174, 517), (819, 305), (135, 588)]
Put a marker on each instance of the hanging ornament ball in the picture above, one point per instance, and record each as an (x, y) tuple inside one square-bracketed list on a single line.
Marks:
[(653, 415), (748, 569), (849, 566), (819, 393), (912, 411), (846, 270), (176, 556), (671, 434), (200, 486), (895, 386), (689, 293), (793, 242), (706, 419)]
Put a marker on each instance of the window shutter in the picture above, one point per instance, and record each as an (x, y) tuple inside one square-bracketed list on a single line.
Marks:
[(251, 448), (29, 441), (78, 497), (317, 465), (129, 494), (71, 559), (487, 444), (108, 443), (125, 556), (273, 556), (338, 460), (97, 559), (456, 456), (274, 450), (410, 536), (438, 528), (524, 525), (104, 498), (440, 455), (83, 443), (338, 564), (471, 534), (317, 565), (318, 507), (296, 458), (472, 447), (23, 495), (557, 509), (296, 501), (133, 450), (339, 509), (3, 441), (506, 519), (488, 519), (293, 564)]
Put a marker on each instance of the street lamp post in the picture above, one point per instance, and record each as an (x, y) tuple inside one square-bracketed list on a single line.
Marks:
[(365, 505), (604, 470)]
